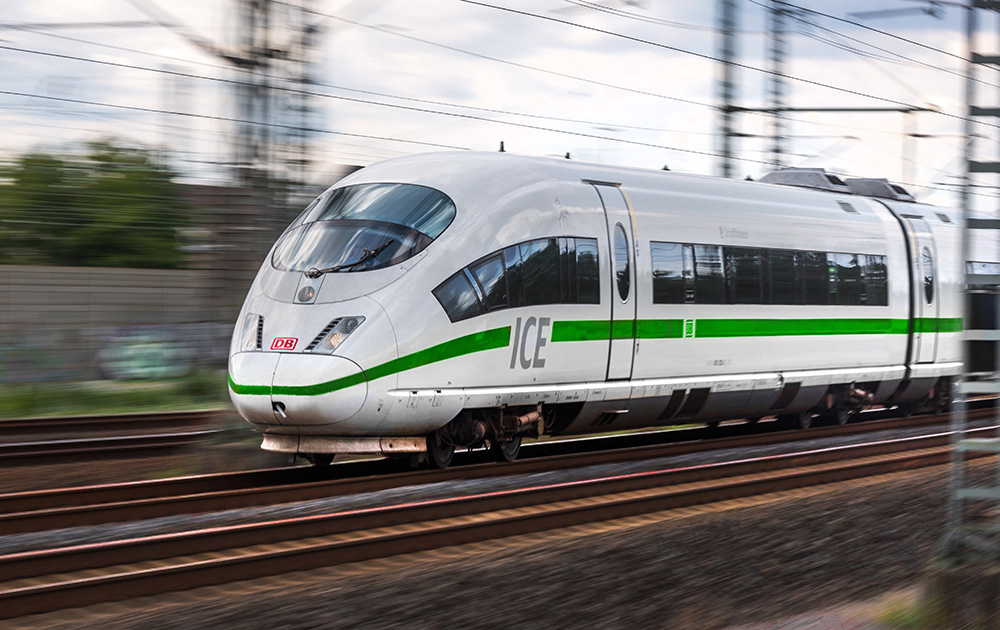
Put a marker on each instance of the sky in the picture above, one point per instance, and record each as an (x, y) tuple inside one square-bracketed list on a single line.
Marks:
[(629, 82)]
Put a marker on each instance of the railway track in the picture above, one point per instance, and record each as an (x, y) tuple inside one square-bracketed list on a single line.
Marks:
[(129, 422), (83, 438), (49, 579), (93, 505)]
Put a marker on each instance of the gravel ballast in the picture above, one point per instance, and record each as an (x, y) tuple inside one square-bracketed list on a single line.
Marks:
[(751, 566)]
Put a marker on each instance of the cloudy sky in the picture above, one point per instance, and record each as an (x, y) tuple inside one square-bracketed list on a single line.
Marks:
[(616, 81)]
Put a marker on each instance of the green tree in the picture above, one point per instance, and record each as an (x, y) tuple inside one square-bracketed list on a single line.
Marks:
[(113, 207)]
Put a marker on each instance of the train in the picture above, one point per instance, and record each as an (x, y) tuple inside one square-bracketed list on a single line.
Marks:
[(464, 300)]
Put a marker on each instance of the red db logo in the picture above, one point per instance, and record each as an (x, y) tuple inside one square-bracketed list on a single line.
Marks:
[(284, 343)]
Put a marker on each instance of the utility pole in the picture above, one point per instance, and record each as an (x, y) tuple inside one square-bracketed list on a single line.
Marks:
[(775, 84), (727, 19), (274, 54), (273, 57)]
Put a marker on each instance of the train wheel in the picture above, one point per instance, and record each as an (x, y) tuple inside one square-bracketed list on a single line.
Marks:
[(507, 451), (439, 453), (319, 460)]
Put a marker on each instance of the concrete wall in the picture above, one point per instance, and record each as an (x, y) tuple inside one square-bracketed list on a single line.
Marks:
[(61, 323)]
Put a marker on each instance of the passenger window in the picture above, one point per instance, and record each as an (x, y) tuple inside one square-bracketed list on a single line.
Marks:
[(588, 279), (709, 281), (515, 279), (743, 275), (668, 272), (567, 271), (780, 287), (815, 278), (622, 263), (876, 281), (928, 264), (490, 275), (540, 267), (845, 276), (560, 270), (458, 298)]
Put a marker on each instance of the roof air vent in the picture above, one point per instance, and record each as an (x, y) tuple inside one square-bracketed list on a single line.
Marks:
[(806, 178), (880, 188)]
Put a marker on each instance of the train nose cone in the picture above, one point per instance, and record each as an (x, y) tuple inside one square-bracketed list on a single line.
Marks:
[(250, 375), (317, 389), (273, 389)]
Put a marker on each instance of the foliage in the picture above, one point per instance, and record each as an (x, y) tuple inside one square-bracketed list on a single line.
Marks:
[(113, 207), (200, 389)]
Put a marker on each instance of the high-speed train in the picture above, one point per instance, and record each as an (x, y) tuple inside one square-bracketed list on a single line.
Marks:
[(460, 300)]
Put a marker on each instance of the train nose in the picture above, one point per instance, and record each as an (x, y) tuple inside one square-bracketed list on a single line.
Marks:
[(279, 389)]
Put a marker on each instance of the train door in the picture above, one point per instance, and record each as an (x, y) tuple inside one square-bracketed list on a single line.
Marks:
[(621, 234), (926, 298)]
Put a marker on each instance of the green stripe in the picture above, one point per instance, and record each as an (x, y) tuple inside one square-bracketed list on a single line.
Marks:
[(603, 330), (249, 390), (476, 342), (581, 330), (660, 329), (623, 329), (935, 324), (591, 330), (797, 327)]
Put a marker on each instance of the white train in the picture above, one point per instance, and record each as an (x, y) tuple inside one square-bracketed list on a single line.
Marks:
[(457, 300)]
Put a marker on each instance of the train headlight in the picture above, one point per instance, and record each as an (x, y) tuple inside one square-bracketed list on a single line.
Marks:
[(250, 333), (335, 334)]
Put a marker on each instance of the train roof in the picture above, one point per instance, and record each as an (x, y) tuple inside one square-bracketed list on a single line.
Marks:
[(469, 177)]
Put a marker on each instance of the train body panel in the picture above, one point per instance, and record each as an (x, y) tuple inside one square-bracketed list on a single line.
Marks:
[(606, 298)]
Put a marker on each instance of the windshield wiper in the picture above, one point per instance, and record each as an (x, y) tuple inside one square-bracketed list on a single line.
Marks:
[(368, 255)]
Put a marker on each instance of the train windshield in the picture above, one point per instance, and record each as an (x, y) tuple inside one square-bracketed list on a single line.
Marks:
[(363, 227)]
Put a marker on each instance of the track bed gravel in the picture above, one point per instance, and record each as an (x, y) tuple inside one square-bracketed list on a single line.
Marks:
[(752, 566)]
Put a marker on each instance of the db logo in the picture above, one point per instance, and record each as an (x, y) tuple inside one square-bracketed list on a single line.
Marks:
[(284, 343)]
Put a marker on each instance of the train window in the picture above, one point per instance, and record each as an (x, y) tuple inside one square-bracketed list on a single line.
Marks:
[(845, 279), (622, 271), (694, 274), (668, 272), (419, 208), (515, 279), (567, 271), (490, 275), (458, 298), (928, 266), (544, 271), (780, 274), (876, 281), (743, 282), (588, 278), (346, 246), (709, 281), (815, 278), (540, 267)]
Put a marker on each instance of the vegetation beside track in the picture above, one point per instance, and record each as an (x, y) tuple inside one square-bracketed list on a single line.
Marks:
[(201, 389)]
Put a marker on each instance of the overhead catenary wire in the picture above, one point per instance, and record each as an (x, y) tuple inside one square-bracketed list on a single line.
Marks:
[(454, 49), (899, 56), (152, 110), (383, 95), (716, 59), (875, 30)]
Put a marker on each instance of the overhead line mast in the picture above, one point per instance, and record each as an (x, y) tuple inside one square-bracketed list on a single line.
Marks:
[(727, 18)]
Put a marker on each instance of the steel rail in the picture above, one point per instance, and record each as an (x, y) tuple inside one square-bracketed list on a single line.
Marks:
[(69, 507), (13, 427), (44, 580), (84, 449)]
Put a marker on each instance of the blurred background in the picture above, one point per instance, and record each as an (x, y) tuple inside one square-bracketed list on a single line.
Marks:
[(152, 151)]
